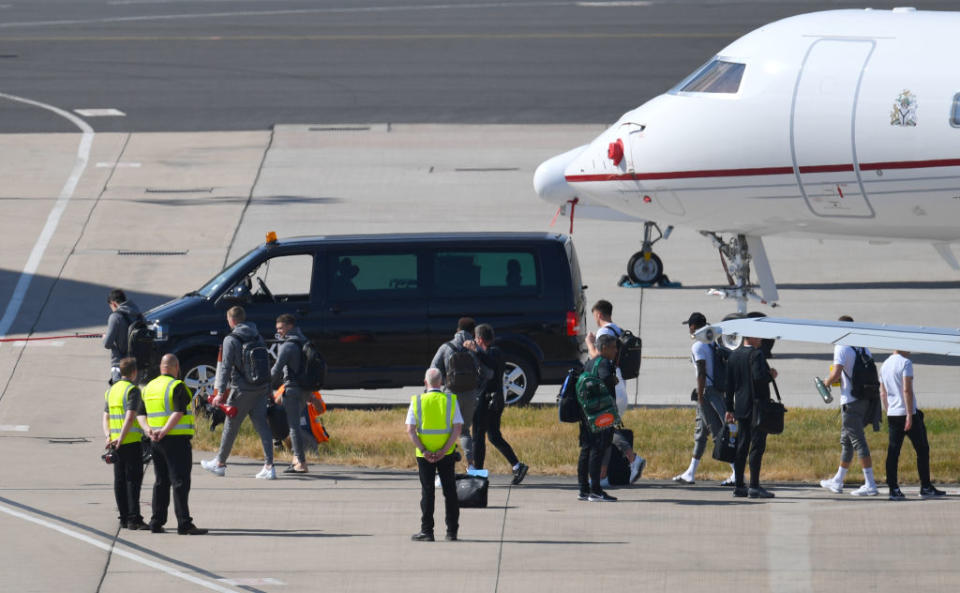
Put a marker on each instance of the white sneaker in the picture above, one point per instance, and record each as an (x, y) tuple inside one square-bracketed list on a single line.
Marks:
[(835, 487), (731, 481), (636, 468), (213, 467), (267, 473), (865, 491), (684, 479)]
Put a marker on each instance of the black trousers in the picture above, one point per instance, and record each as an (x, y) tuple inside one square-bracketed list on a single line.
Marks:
[(593, 446), (918, 436), (172, 462), (486, 422), (448, 482), (751, 442), (127, 479)]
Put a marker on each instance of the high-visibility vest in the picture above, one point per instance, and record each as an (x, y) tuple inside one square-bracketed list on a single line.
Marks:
[(435, 411), (117, 397), (158, 400)]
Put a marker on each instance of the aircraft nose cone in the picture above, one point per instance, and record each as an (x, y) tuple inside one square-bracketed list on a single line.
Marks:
[(549, 180)]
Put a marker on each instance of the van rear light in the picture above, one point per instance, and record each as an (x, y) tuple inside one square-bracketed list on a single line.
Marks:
[(573, 323)]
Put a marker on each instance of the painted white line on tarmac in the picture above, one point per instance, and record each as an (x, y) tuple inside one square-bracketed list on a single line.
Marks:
[(100, 112), (33, 262), (45, 343), (108, 165), (14, 428), (206, 583), (281, 12)]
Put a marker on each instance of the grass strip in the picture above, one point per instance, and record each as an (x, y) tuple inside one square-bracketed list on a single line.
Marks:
[(807, 451)]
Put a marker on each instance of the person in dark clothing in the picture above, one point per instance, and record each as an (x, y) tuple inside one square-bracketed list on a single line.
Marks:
[(486, 418), (594, 445), (123, 312), (748, 382), (167, 417), (123, 436)]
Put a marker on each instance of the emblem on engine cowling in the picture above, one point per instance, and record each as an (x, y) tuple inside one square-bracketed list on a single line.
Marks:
[(904, 112)]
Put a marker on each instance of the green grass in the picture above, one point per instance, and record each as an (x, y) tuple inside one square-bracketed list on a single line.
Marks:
[(807, 451)]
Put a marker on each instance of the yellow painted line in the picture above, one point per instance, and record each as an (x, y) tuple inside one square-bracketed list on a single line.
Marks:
[(372, 37)]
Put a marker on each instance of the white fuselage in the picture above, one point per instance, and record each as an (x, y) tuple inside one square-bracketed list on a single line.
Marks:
[(844, 124)]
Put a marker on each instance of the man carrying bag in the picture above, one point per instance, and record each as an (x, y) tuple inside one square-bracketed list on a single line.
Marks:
[(747, 397)]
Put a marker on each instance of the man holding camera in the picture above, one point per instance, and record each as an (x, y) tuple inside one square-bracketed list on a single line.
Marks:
[(123, 436)]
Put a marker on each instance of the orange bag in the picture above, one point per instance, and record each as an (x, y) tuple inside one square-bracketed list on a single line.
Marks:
[(316, 422)]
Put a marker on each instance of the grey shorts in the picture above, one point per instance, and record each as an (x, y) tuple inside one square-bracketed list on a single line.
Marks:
[(852, 437)]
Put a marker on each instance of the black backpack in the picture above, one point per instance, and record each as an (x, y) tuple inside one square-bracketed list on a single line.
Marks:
[(462, 371), (864, 382), (255, 361), (313, 368), (720, 357), (139, 342), (629, 348), (568, 409)]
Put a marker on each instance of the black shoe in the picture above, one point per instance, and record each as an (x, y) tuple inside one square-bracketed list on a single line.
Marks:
[(191, 529), (123, 525), (896, 494), (931, 492), (602, 497), (760, 492), (583, 496), (519, 474), (137, 526), (740, 492), (423, 536), (154, 528), (451, 537)]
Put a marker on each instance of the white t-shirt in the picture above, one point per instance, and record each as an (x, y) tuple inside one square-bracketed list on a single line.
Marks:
[(412, 413), (846, 356), (703, 351), (621, 390), (892, 372)]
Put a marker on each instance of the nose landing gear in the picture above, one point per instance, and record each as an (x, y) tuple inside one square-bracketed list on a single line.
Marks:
[(645, 267)]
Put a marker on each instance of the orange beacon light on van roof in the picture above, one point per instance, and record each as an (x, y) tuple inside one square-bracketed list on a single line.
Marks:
[(271, 237)]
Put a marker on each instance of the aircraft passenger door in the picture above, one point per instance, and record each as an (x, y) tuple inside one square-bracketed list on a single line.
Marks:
[(822, 128)]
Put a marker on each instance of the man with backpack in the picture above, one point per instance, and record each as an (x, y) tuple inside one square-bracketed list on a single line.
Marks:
[(290, 370), (598, 418), (123, 313), (711, 371), (859, 391), (246, 369), (603, 316), (464, 376)]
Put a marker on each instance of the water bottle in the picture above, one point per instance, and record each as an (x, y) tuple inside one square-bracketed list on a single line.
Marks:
[(732, 429), (823, 390)]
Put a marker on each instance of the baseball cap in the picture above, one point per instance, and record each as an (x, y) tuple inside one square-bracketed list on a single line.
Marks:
[(696, 318)]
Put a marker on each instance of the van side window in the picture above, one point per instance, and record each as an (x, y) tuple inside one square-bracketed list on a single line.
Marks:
[(718, 76), (484, 273), (372, 276), (955, 111), (282, 279)]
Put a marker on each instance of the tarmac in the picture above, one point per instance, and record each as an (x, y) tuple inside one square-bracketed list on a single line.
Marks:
[(164, 212)]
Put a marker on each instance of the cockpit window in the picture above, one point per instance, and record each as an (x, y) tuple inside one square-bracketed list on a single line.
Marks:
[(718, 76)]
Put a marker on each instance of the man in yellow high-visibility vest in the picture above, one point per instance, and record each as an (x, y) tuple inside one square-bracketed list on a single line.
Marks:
[(167, 410), (123, 436), (434, 424)]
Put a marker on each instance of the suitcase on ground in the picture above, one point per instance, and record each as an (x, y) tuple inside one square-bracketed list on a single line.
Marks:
[(472, 491)]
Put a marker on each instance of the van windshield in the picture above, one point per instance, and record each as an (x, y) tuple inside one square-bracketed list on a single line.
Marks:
[(211, 288), (718, 76)]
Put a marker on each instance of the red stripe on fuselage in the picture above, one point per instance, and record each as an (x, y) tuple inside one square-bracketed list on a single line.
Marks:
[(758, 171)]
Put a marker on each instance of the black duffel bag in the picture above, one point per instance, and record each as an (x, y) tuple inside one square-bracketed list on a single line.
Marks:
[(723, 448), (768, 414), (472, 491)]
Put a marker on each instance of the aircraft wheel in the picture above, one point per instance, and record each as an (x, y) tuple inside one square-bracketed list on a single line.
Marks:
[(645, 271)]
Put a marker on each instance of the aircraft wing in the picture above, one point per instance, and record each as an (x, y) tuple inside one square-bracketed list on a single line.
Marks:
[(909, 338)]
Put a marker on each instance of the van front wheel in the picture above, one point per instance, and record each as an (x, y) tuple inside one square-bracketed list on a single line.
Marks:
[(519, 380), (199, 374)]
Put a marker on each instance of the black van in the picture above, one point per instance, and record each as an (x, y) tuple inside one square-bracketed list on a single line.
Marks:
[(379, 306)]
